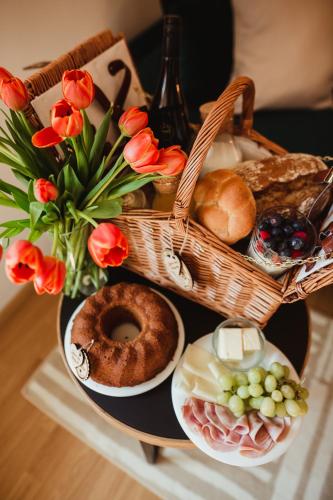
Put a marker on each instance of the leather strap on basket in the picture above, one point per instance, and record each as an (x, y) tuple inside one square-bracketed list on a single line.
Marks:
[(219, 113)]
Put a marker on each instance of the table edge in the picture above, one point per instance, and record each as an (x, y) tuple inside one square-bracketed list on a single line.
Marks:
[(139, 435)]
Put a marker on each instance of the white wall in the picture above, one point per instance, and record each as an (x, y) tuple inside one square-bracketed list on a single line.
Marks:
[(41, 30)]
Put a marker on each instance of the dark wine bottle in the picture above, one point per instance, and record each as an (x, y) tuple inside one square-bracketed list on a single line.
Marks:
[(168, 114)]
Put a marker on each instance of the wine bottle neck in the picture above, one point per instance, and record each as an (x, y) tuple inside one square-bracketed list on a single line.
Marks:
[(171, 37)]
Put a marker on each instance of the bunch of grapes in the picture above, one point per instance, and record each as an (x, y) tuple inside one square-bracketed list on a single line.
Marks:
[(272, 392)]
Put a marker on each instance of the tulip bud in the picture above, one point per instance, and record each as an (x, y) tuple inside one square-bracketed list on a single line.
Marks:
[(14, 93), (132, 121), (78, 88), (141, 152), (172, 160), (23, 261), (45, 191), (1, 251), (51, 278), (107, 245), (66, 120)]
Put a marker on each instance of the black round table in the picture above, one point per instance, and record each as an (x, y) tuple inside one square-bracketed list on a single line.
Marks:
[(150, 417)]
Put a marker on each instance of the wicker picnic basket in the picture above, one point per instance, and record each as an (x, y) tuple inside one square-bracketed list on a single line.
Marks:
[(222, 279)]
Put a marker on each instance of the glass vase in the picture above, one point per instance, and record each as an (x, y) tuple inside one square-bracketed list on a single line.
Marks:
[(83, 276)]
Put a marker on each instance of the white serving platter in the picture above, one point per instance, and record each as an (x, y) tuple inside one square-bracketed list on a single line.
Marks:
[(179, 396)]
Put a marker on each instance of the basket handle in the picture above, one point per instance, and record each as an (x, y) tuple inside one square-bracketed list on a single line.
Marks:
[(240, 86)]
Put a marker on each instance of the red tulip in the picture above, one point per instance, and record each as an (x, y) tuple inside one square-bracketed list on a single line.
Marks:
[(107, 245), (4, 75), (51, 278), (46, 138), (141, 152), (172, 160), (66, 120), (132, 121), (14, 93), (23, 261), (45, 191), (1, 251), (78, 88)]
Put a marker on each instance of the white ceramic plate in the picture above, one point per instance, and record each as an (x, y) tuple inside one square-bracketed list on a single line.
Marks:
[(179, 395), (136, 389)]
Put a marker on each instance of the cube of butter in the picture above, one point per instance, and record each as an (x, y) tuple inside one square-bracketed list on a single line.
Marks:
[(230, 344), (251, 341)]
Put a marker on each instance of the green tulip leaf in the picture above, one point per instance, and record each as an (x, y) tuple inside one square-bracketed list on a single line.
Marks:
[(68, 181), (36, 210), (107, 209), (87, 133), (96, 151), (128, 187), (19, 196)]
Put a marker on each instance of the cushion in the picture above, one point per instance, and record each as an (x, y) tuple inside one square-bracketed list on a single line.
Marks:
[(287, 48)]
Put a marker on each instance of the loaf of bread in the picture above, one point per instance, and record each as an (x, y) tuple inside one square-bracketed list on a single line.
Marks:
[(290, 179), (225, 205)]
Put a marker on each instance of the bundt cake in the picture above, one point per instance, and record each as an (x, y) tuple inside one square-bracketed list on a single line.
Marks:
[(132, 362)]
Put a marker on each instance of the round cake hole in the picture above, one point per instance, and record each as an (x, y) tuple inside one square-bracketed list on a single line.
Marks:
[(120, 324)]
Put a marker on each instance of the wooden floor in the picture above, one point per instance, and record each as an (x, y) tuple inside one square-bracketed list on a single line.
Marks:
[(38, 458)]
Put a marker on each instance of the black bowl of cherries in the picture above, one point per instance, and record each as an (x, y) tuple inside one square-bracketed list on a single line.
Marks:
[(286, 232)]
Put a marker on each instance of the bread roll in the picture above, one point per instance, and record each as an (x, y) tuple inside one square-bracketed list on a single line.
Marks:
[(224, 204), (290, 179)]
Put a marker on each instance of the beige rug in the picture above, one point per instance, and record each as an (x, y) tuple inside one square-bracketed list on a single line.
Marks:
[(304, 472)]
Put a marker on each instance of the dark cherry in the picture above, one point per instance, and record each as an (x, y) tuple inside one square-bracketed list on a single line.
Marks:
[(288, 229), (286, 252), (264, 226), (298, 225), (277, 231)]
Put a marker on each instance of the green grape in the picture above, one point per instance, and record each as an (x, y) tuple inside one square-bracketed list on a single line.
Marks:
[(256, 390), (223, 398), (280, 410), (241, 378), (243, 391), (239, 414), (254, 375), (236, 404), (292, 407), (303, 393), (256, 402), (287, 391), (270, 383), (303, 407), (277, 396), (286, 371), (263, 372), (267, 407), (277, 370), (226, 382)]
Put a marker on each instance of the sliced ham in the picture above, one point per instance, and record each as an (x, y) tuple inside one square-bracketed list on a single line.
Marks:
[(252, 434), (277, 427)]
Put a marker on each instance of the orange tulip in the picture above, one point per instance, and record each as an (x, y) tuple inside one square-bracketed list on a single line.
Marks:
[(46, 138), (107, 245), (45, 191), (78, 88), (51, 278), (4, 75), (132, 121), (172, 160), (141, 152), (66, 120), (23, 261), (14, 93)]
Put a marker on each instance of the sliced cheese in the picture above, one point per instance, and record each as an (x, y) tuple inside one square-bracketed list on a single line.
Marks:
[(187, 379), (230, 344), (196, 361), (206, 390), (217, 369), (251, 340)]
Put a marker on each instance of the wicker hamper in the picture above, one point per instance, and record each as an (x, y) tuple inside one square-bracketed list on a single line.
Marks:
[(222, 279)]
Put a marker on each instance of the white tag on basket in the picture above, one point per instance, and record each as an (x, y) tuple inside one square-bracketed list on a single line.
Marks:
[(177, 269)]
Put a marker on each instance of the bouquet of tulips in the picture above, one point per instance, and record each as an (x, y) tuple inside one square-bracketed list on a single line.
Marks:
[(72, 186)]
